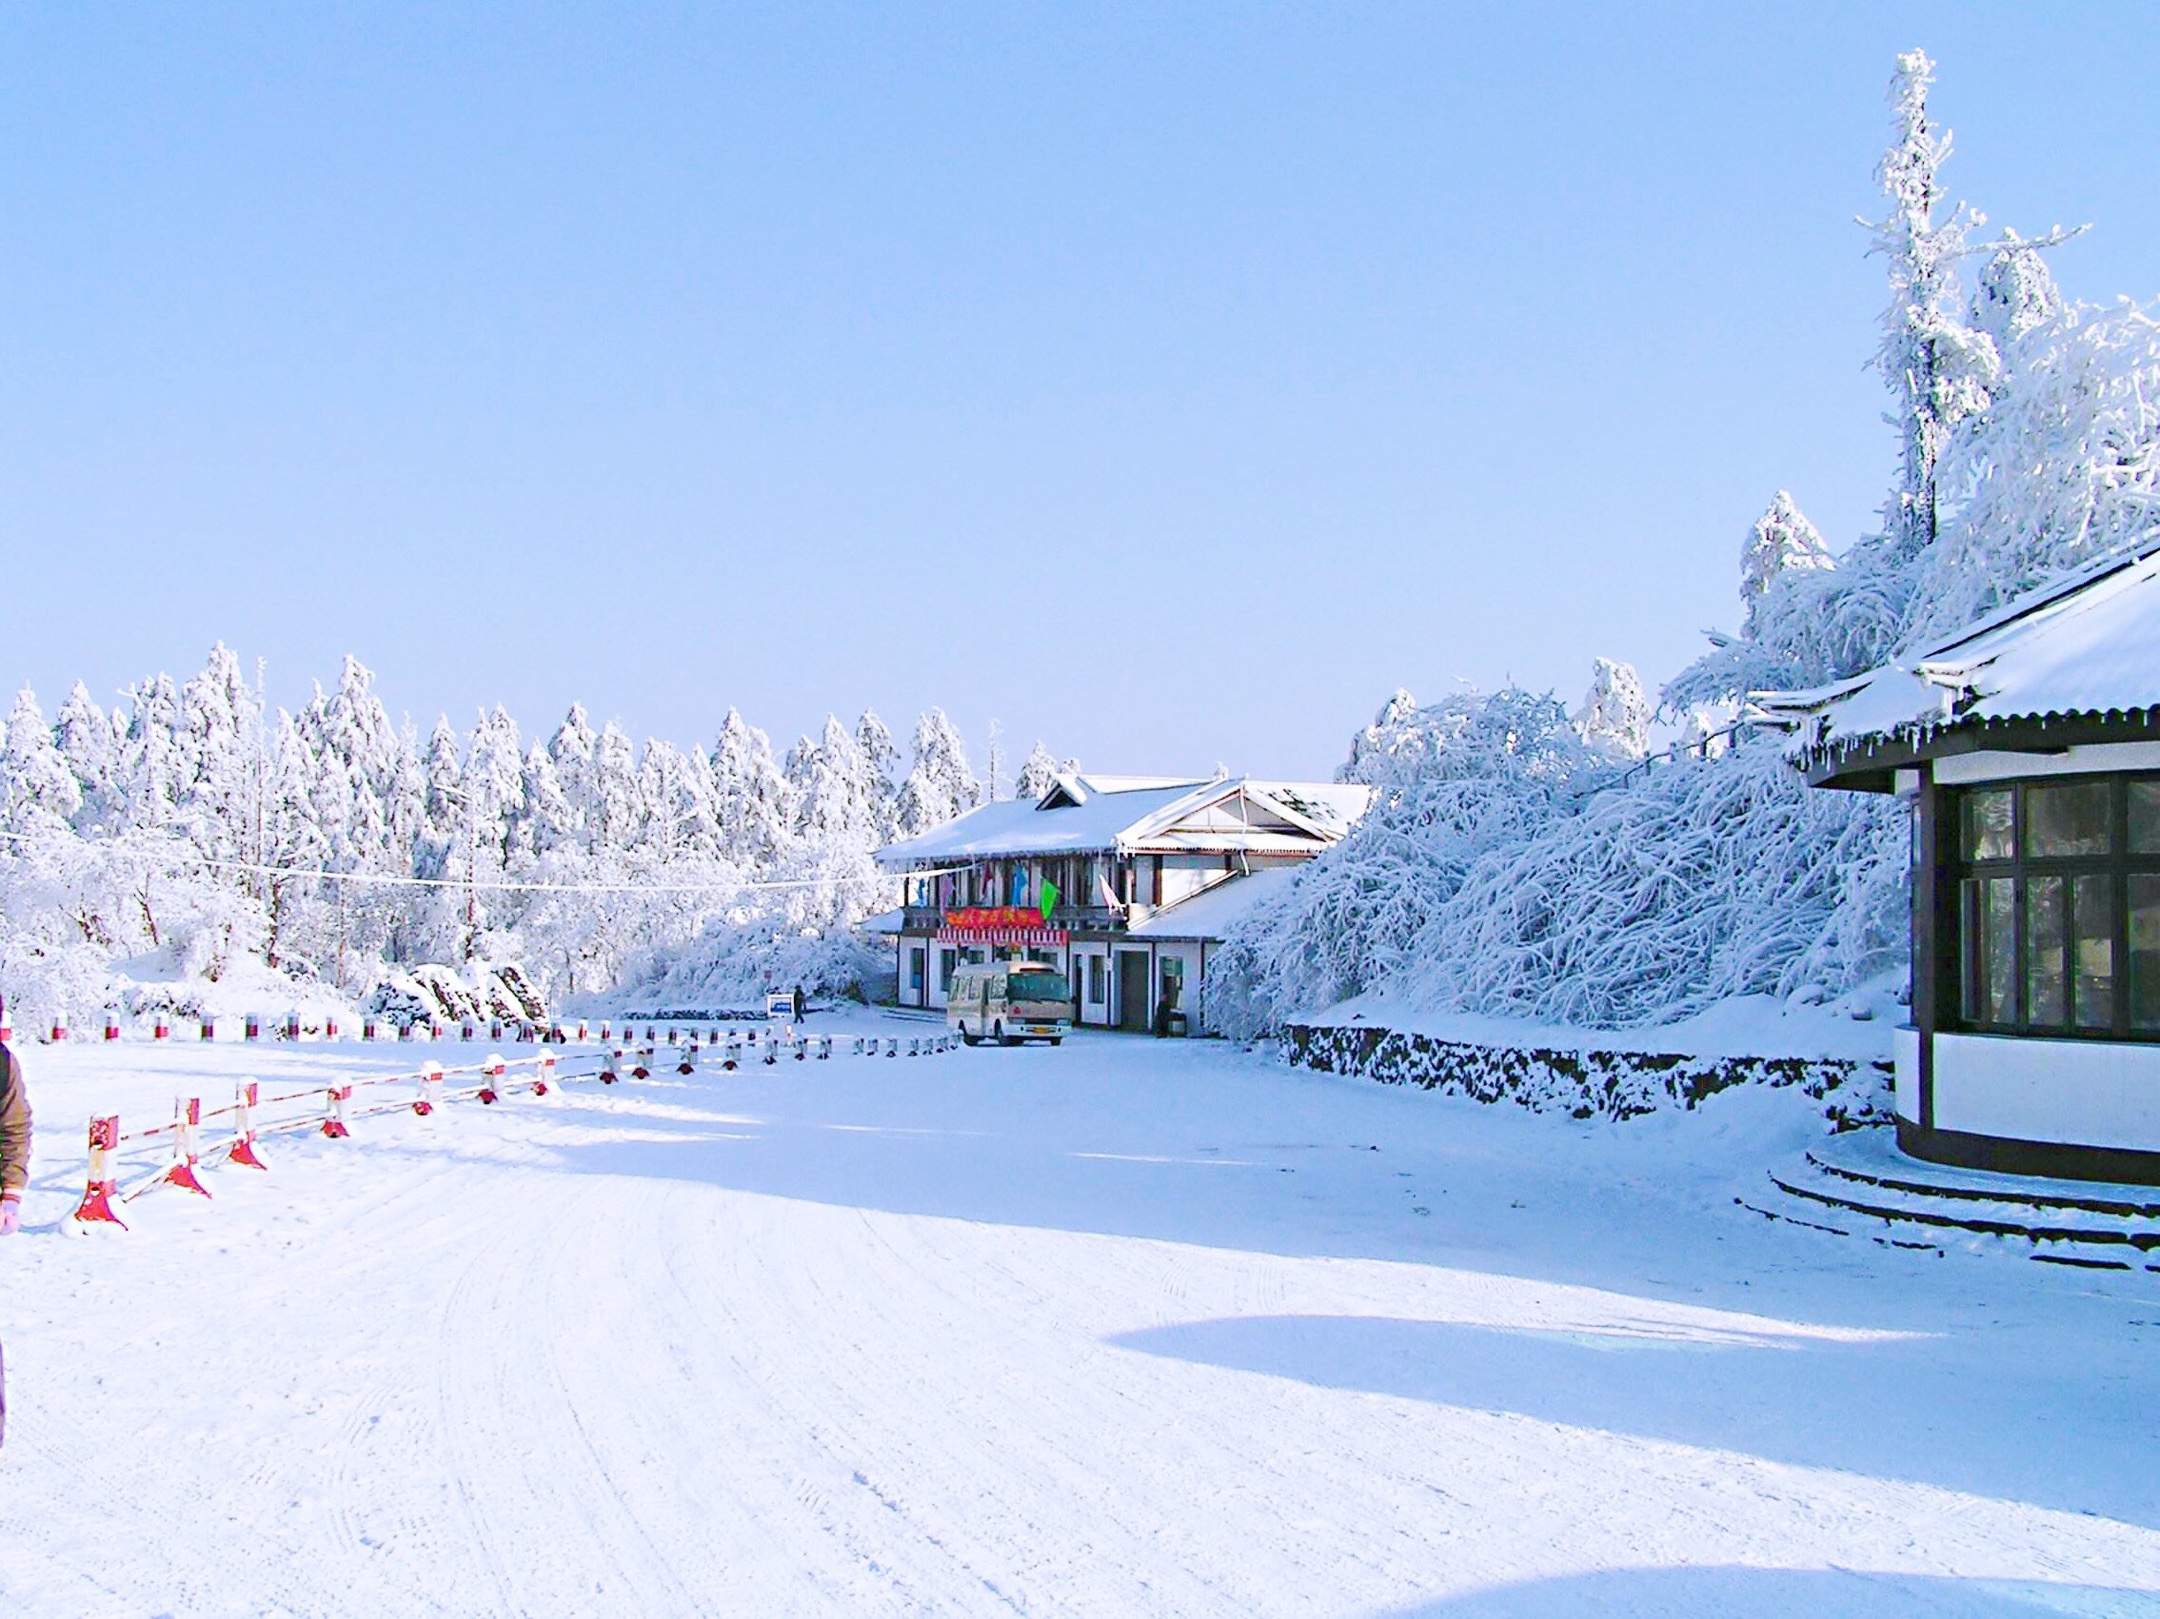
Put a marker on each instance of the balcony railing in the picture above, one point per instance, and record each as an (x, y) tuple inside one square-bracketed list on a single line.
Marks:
[(1072, 918)]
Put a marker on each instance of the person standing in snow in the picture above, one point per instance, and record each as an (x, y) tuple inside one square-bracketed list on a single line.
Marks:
[(14, 1171)]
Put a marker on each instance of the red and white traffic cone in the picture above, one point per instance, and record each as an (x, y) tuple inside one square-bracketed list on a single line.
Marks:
[(430, 1089), (491, 1073), (335, 1098), (187, 1121), (96, 1205), (242, 1150)]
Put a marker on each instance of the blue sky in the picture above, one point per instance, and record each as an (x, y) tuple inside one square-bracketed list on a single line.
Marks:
[(1169, 382)]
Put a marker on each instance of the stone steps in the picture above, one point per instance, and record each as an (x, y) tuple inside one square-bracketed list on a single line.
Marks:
[(1849, 1183)]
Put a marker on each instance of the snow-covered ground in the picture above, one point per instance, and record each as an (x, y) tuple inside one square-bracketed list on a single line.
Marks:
[(1123, 1328)]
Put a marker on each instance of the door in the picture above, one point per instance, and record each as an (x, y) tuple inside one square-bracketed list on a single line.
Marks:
[(1134, 1009)]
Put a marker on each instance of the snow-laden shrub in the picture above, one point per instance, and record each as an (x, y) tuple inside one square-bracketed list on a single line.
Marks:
[(738, 964)]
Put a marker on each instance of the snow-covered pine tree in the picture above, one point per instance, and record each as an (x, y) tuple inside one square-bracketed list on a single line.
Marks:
[(39, 794), (1781, 538), (757, 810), (939, 784), (89, 740), (1615, 715), (881, 763), (1037, 773)]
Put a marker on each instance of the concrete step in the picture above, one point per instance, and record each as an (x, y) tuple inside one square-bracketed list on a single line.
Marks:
[(1850, 1183)]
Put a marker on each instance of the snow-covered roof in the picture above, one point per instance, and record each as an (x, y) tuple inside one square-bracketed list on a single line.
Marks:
[(890, 921), (1210, 913), (1125, 814), (2086, 645)]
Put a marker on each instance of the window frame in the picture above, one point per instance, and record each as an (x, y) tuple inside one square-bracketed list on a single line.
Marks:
[(2117, 866)]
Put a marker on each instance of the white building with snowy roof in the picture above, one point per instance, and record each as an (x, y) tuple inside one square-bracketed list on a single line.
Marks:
[(2028, 745), (1126, 882)]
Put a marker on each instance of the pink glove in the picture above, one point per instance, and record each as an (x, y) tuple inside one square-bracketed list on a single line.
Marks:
[(10, 1215)]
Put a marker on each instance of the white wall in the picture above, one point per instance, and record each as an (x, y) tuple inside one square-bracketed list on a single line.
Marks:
[(2080, 1093)]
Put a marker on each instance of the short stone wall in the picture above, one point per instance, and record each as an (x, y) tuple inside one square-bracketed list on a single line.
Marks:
[(1585, 1084)]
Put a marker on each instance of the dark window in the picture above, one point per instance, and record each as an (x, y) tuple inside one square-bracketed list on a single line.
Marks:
[(2059, 906)]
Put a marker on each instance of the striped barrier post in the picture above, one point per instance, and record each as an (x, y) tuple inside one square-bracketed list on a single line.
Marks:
[(465, 1030), (607, 1070), (292, 1027), (435, 1029), (334, 1099), (112, 1027), (242, 1151), (254, 1027), (431, 1085), (491, 1073), (161, 1030), (209, 1028), (367, 1029), (544, 1072), (581, 1035), (638, 1070), (187, 1122), (59, 1029), (96, 1205), (329, 1028)]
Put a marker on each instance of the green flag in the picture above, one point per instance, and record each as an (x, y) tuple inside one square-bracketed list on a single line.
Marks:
[(1049, 899)]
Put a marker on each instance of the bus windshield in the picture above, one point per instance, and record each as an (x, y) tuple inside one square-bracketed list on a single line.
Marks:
[(1037, 986)]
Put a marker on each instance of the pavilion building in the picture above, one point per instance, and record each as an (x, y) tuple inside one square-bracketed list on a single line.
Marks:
[(2028, 747)]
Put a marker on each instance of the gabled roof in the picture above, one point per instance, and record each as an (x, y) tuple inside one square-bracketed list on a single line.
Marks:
[(1212, 912), (1127, 814), (2086, 646)]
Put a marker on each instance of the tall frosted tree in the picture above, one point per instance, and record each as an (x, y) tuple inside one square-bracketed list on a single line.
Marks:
[(1615, 715), (1037, 772), (1938, 368), (756, 803), (1781, 538), (42, 794), (89, 740), (881, 763), (939, 784)]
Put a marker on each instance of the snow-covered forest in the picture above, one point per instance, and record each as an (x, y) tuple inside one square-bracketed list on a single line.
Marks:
[(192, 848), (1522, 862)]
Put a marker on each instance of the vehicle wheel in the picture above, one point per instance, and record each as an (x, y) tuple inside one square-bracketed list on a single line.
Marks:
[(1059, 1041), (998, 1033), (970, 1039)]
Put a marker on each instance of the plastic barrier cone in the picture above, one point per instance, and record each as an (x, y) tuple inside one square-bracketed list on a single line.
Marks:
[(96, 1205), (187, 1120), (242, 1150), (430, 1089), (333, 1124), (491, 1073)]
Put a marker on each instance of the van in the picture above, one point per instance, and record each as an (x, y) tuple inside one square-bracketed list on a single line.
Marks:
[(1009, 1002)]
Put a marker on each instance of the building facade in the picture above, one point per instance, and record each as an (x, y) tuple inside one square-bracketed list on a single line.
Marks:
[(1126, 882), (2028, 748)]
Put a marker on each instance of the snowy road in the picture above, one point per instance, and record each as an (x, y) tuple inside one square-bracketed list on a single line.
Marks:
[(1125, 1328)]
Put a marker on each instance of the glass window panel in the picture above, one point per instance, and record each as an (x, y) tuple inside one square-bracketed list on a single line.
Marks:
[(2067, 818), (1987, 825), (2144, 951), (1988, 933), (2046, 998), (2145, 817), (2092, 951)]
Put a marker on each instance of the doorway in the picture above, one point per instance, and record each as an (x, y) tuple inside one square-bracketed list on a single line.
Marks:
[(1134, 1011)]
